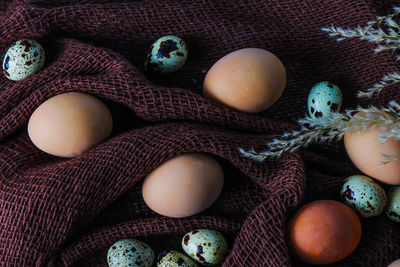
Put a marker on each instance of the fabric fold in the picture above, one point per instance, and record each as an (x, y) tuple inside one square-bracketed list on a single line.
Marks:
[(57, 211)]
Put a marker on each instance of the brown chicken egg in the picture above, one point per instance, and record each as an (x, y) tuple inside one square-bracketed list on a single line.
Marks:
[(69, 124), (366, 152), (184, 185), (396, 263), (249, 80)]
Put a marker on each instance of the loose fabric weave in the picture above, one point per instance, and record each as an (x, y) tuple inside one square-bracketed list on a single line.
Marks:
[(67, 212)]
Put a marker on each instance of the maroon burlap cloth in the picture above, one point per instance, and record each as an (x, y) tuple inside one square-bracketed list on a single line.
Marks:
[(56, 211)]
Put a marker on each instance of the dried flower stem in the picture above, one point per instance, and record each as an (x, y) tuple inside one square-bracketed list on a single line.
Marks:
[(390, 158), (386, 81), (333, 127), (385, 31), (388, 36)]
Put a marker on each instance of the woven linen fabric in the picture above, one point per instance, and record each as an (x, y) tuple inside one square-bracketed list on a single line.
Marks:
[(67, 212)]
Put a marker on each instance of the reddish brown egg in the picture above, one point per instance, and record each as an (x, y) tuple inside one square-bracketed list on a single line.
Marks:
[(249, 79), (365, 151), (184, 185), (324, 231)]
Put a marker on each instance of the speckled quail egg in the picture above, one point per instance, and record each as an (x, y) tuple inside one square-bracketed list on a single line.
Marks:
[(130, 252), (205, 246), (393, 207), (24, 58), (323, 99), (174, 259), (364, 195), (167, 55)]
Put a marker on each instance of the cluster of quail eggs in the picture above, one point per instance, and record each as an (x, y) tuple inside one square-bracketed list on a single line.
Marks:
[(25, 57), (368, 198), (204, 246), (360, 192)]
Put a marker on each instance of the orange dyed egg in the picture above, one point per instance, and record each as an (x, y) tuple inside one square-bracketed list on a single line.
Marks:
[(249, 80), (324, 231), (184, 185), (365, 151)]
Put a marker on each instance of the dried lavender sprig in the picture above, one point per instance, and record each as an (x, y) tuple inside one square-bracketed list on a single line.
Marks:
[(386, 81), (333, 127)]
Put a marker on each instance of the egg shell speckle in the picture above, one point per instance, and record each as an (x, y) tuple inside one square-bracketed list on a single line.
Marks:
[(174, 259), (364, 195), (324, 98), (130, 252), (205, 246), (393, 207), (24, 58), (167, 55)]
